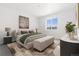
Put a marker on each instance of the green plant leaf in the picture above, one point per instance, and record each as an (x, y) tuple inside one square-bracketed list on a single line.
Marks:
[(70, 27)]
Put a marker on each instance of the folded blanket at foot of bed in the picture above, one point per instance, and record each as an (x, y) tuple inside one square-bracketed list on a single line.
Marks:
[(26, 40)]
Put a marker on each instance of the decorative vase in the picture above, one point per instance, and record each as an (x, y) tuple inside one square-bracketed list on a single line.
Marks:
[(71, 35)]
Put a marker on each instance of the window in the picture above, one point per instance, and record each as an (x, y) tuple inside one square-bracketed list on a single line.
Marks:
[(52, 23)]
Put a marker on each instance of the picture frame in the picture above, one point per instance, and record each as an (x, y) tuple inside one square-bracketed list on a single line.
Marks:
[(23, 22)]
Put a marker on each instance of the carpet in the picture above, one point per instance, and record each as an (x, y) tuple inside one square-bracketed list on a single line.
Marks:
[(20, 51), (4, 51)]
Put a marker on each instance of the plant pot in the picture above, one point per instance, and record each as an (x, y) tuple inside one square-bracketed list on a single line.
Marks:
[(71, 35)]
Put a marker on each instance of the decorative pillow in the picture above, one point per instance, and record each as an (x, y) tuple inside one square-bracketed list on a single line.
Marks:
[(24, 32), (31, 31)]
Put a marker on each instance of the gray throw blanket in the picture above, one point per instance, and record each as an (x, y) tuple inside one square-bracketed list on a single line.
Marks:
[(26, 38), (33, 37)]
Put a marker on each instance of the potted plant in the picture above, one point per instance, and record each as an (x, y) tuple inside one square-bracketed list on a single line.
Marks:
[(70, 29)]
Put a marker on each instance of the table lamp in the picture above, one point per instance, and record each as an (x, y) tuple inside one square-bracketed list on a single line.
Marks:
[(7, 29)]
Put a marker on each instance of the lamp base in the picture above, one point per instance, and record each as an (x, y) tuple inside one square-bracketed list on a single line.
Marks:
[(7, 34)]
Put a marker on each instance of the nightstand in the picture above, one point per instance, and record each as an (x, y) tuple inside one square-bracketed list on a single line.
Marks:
[(7, 40)]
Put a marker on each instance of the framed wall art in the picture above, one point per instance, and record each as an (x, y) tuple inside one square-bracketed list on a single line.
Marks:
[(23, 22)]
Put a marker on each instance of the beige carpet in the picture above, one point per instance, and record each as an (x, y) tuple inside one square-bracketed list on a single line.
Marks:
[(20, 51)]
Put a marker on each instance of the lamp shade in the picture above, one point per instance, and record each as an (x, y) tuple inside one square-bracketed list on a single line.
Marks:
[(7, 29)]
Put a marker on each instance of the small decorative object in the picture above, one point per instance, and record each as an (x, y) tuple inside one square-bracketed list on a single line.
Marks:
[(70, 28), (7, 29)]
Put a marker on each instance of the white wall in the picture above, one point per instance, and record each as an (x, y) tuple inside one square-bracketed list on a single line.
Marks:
[(63, 17), (10, 18)]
